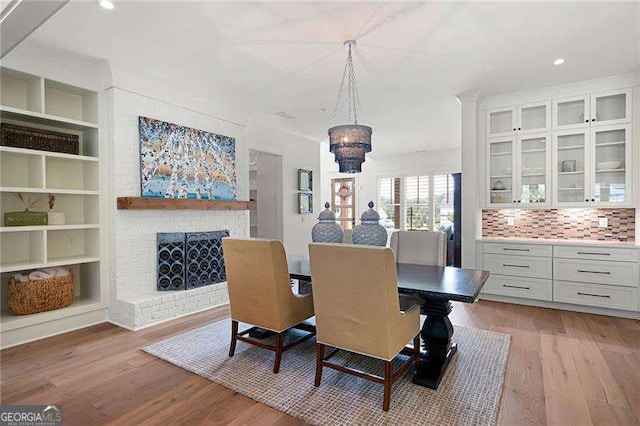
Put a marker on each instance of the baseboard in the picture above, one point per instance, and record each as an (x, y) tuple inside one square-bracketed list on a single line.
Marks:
[(562, 306)]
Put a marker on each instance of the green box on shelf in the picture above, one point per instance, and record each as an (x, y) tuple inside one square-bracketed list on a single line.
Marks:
[(25, 218)]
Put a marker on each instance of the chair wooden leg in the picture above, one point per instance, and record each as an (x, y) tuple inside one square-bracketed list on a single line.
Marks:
[(416, 349), (319, 358), (234, 337), (279, 344), (388, 380)]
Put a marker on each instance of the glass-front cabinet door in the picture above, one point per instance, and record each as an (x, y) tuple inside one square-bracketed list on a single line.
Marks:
[(611, 168), (571, 113), (534, 117), (533, 168), (501, 122), (501, 171), (613, 107), (570, 167)]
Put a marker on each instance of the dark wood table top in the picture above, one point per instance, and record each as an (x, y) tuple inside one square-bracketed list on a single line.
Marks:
[(435, 282)]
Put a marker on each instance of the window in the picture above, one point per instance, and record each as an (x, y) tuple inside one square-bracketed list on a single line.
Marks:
[(417, 202), (343, 196), (426, 202), (389, 202), (443, 203)]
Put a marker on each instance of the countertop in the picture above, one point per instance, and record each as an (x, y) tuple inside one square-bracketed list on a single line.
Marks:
[(558, 242)]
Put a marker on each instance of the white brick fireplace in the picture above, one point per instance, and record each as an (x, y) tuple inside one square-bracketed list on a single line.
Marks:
[(135, 302)]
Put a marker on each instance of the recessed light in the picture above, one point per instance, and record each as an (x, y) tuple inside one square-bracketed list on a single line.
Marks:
[(106, 4), (558, 61)]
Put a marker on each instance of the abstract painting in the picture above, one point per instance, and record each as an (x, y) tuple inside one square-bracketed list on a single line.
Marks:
[(181, 162)]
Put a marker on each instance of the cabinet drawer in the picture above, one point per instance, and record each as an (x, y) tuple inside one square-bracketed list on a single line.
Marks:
[(529, 288), (605, 296), (520, 266), (589, 271), (518, 249), (597, 253)]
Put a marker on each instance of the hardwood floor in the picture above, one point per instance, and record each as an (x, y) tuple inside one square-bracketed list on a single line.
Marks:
[(564, 368)]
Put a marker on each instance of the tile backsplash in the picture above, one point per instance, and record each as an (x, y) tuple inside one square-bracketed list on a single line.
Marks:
[(560, 223)]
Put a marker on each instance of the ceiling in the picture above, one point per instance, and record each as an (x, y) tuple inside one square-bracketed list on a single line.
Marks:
[(411, 59)]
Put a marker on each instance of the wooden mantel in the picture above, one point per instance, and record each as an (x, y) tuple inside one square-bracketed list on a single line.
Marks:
[(141, 203)]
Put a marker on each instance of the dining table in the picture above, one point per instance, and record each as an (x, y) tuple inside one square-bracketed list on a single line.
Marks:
[(433, 288)]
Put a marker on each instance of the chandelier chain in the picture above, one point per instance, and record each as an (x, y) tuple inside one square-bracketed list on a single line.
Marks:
[(353, 101)]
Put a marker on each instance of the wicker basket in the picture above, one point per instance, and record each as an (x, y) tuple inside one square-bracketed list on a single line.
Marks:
[(35, 296), (42, 140)]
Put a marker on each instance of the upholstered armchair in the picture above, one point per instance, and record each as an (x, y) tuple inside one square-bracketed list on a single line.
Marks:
[(355, 296), (260, 293), (418, 248)]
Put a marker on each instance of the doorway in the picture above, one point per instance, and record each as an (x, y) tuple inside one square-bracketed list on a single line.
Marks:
[(343, 196), (265, 187)]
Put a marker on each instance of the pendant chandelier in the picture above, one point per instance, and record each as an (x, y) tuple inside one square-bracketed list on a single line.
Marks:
[(349, 142)]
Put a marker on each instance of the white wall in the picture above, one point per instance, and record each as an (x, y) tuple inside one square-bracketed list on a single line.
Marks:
[(419, 163), (274, 135)]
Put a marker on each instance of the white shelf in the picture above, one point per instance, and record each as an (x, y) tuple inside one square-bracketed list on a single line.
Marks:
[(62, 261), (501, 177), (609, 170), (47, 154), (527, 151), (533, 174), (581, 172), (11, 321), (21, 266), (501, 190), (610, 144), (48, 190), (570, 189), (47, 227), (493, 154), (562, 148), (11, 113)]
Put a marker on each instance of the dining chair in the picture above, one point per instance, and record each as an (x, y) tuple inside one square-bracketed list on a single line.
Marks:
[(260, 294), (355, 297), (418, 248)]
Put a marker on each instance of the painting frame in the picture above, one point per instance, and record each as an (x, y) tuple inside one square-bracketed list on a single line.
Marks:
[(305, 202), (305, 180), (182, 162)]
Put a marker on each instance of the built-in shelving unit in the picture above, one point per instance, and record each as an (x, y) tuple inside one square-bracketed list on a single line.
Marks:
[(36, 102)]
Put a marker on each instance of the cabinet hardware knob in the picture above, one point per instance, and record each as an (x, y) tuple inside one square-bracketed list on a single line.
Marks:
[(514, 129), (587, 200), (593, 119), (586, 121), (593, 199), (519, 128)]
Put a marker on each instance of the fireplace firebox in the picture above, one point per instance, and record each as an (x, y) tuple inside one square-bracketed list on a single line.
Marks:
[(189, 260)]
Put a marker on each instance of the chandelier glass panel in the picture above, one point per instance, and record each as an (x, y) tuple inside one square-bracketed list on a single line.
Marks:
[(349, 142)]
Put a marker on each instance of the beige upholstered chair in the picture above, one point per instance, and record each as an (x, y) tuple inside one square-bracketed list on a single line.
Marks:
[(260, 293), (418, 248), (355, 296)]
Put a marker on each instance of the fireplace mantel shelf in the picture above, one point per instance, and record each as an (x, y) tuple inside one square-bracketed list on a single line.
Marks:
[(141, 203)]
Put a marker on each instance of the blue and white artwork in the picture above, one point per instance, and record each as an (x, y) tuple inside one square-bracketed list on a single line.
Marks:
[(181, 162)]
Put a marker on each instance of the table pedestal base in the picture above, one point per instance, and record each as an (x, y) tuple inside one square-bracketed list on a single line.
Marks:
[(436, 334)]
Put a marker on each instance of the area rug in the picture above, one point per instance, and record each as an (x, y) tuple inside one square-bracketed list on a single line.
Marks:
[(469, 394)]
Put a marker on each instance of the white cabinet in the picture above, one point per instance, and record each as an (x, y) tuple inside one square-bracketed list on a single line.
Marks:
[(580, 274), (592, 167), (603, 108), (519, 170), (527, 118), (586, 160)]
